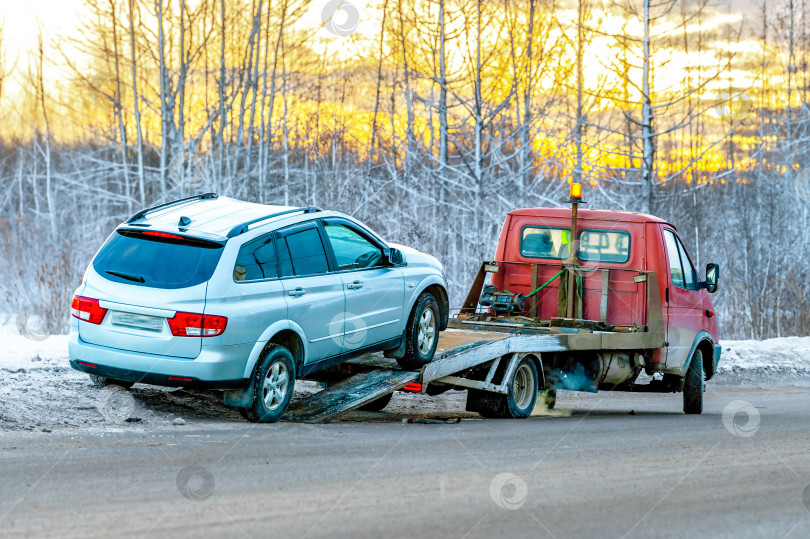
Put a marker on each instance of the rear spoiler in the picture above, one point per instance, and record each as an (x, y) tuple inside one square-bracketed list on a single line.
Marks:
[(196, 237)]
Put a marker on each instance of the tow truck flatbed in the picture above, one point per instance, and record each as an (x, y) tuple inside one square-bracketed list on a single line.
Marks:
[(462, 350)]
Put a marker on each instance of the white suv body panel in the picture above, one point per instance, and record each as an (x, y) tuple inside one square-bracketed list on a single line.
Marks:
[(340, 313)]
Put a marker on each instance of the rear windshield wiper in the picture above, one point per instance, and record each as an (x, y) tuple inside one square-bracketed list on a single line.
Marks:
[(127, 276)]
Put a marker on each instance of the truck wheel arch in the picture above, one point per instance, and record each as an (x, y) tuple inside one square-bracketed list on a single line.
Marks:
[(703, 341), (541, 373)]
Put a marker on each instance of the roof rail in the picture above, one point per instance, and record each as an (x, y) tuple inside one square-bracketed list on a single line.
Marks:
[(142, 213), (244, 227)]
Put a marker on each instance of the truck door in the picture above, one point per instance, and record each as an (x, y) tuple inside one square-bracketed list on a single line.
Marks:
[(684, 309)]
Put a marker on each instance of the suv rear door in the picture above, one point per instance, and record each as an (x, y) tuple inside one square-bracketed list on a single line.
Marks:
[(144, 278), (374, 293), (315, 296)]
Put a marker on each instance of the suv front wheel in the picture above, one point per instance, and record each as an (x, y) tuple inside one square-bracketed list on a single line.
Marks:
[(273, 383), (421, 333)]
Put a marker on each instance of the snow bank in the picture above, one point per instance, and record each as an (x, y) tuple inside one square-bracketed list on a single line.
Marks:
[(774, 361)]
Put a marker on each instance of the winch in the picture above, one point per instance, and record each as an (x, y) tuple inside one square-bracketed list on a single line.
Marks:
[(502, 302)]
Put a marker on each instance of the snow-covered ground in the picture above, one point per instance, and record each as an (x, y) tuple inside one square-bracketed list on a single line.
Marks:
[(39, 390), (774, 361)]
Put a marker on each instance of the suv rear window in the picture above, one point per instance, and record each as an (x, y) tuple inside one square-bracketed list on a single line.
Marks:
[(157, 262)]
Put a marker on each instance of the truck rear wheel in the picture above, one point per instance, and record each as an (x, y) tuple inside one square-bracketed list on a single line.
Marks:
[(519, 400), (378, 404), (693, 385)]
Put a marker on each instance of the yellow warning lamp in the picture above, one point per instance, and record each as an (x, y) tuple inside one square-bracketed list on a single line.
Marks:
[(575, 193)]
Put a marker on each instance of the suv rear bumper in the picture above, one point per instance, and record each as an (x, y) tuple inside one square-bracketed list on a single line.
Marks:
[(219, 367)]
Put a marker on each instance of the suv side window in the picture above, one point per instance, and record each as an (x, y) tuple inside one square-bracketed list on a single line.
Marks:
[(256, 260), (352, 251), (302, 253)]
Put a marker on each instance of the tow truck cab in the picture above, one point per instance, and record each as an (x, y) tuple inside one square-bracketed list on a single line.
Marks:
[(613, 247)]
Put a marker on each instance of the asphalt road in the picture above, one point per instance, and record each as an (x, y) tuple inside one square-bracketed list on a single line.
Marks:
[(596, 471)]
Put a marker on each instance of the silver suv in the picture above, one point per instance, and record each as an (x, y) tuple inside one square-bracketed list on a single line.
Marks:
[(212, 292)]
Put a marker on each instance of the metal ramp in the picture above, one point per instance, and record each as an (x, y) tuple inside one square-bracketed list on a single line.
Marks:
[(349, 394)]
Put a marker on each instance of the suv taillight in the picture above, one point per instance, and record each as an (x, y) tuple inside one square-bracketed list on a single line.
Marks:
[(197, 325), (87, 309)]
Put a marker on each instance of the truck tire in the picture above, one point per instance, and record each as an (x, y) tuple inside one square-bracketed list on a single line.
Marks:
[(693, 385), (377, 405), (519, 400), (103, 381), (421, 333), (273, 383)]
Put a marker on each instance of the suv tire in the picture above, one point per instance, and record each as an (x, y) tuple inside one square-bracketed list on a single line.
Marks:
[(273, 383), (421, 333)]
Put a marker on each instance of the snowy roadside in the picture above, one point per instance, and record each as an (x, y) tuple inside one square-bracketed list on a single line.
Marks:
[(39, 390), (783, 361)]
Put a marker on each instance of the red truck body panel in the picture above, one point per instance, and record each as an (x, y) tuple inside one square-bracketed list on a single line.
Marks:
[(687, 309)]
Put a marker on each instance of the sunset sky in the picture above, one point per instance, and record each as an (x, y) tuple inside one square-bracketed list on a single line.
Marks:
[(63, 17)]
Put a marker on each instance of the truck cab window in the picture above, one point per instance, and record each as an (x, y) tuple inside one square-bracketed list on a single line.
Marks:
[(689, 273), (544, 242), (675, 268), (610, 246)]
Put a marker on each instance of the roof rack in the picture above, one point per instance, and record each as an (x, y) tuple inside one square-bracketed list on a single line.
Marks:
[(244, 227), (142, 213)]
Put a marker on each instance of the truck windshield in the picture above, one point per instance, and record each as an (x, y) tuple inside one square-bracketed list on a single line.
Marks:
[(132, 257), (609, 246)]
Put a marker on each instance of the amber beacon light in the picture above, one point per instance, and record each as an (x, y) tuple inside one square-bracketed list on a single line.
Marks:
[(576, 191)]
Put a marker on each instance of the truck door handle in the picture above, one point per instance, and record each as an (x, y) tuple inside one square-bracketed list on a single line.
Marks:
[(297, 292), (355, 285)]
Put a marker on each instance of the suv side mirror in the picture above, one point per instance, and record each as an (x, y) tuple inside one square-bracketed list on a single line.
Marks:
[(395, 257), (712, 274)]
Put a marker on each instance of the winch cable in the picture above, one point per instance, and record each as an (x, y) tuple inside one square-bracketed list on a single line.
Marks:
[(545, 284)]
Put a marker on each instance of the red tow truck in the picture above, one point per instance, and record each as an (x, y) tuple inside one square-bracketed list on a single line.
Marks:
[(575, 299)]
